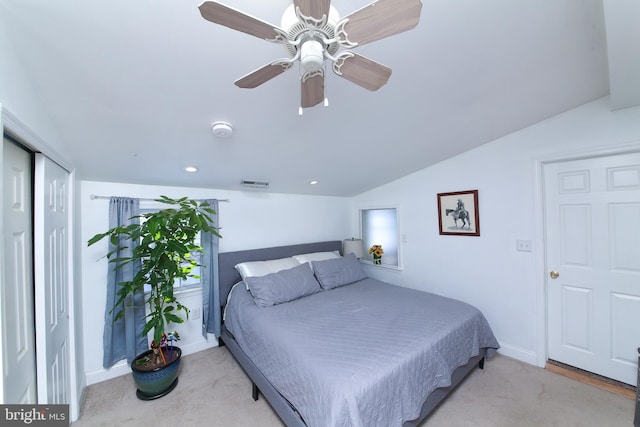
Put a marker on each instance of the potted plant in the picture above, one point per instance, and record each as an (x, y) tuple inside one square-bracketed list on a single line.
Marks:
[(165, 242)]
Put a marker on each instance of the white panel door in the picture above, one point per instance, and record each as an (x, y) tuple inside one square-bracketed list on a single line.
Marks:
[(592, 218), (18, 344), (52, 280)]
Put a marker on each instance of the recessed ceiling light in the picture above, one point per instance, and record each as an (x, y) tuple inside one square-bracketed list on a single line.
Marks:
[(191, 169), (314, 182)]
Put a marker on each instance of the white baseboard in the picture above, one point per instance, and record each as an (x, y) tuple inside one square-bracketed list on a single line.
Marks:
[(122, 367), (518, 353), (119, 369)]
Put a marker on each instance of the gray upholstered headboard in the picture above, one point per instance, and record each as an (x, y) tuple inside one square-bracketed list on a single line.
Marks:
[(228, 276)]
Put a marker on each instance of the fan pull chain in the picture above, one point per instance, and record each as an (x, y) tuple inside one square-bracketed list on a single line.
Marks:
[(300, 74), (326, 99)]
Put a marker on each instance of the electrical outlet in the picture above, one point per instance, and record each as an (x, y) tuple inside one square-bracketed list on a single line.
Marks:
[(523, 245), (195, 313)]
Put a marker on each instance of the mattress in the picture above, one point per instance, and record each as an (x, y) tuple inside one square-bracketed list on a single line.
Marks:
[(364, 354)]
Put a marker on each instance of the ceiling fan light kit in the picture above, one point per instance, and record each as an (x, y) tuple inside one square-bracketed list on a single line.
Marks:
[(313, 32), (312, 56)]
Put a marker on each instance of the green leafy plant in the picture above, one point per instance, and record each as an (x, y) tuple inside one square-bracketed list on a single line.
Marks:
[(164, 242)]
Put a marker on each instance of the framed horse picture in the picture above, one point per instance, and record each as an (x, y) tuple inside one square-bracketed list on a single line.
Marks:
[(458, 213)]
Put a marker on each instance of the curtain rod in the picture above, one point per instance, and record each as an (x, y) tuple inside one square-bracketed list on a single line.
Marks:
[(94, 197)]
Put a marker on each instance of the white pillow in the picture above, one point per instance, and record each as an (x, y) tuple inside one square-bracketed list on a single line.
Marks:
[(262, 268), (316, 256)]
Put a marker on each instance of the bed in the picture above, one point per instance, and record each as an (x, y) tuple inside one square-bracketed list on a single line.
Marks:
[(362, 353)]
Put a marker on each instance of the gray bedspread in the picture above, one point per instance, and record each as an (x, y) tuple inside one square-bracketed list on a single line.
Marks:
[(366, 354)]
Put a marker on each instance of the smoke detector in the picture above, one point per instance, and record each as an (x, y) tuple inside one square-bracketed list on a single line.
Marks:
[(221, 129)]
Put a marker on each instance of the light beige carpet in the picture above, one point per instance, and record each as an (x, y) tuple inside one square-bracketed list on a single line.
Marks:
[(214, 391)]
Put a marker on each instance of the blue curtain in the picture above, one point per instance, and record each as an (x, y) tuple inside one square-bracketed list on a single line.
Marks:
[(124, 338), (211, 316)]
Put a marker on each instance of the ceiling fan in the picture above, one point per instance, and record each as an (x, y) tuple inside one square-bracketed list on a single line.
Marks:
[(312, 32)]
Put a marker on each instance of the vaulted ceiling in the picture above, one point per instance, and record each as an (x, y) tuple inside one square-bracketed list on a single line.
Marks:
[(133, 87)]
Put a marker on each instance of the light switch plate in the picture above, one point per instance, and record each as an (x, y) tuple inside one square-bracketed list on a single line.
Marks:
[(523, 245)]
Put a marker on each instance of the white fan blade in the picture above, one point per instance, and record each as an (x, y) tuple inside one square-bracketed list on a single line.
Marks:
[(362, 71), (380, 19), (263, 74), (312, 89), (240, 21)]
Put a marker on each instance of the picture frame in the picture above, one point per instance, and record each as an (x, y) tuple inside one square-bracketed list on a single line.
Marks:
[(458, 213)]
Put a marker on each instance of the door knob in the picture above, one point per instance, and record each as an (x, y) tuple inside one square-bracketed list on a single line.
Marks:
[(554, 274)]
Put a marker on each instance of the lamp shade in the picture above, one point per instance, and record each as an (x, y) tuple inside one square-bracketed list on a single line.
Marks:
[(353, 246)]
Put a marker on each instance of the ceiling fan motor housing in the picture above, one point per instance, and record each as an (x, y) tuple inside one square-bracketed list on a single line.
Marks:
[(297, 30)]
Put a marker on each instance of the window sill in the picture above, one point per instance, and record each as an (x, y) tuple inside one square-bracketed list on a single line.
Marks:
[(185, 289), (383, 266)]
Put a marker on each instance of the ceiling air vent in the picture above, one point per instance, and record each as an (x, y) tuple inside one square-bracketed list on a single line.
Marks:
[(255, 184)]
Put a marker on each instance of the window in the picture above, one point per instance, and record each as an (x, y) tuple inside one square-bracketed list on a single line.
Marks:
[(189, 282), (380, 227)]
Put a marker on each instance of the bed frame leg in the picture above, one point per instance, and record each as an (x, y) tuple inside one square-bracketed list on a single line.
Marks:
[(481, 363), (255, 392)]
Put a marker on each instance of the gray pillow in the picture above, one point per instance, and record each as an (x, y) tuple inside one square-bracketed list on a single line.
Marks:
[(332, 273), (283, 286), (262, 268)]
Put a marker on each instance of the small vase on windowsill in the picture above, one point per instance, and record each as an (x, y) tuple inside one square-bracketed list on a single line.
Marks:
[(376, 251)]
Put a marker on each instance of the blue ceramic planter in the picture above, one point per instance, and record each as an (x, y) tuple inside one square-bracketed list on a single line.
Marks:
[(159, 382)]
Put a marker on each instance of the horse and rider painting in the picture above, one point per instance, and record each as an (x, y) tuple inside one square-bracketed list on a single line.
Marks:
[(458, 213)]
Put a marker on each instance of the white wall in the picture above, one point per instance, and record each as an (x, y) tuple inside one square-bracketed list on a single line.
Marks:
[(487, 271), (250, 220), (18, 97)]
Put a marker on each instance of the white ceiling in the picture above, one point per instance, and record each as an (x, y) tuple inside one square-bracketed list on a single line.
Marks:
[(133, 87)]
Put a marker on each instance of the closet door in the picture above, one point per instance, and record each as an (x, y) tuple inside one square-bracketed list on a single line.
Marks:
[(52, 280), (18, 346)]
